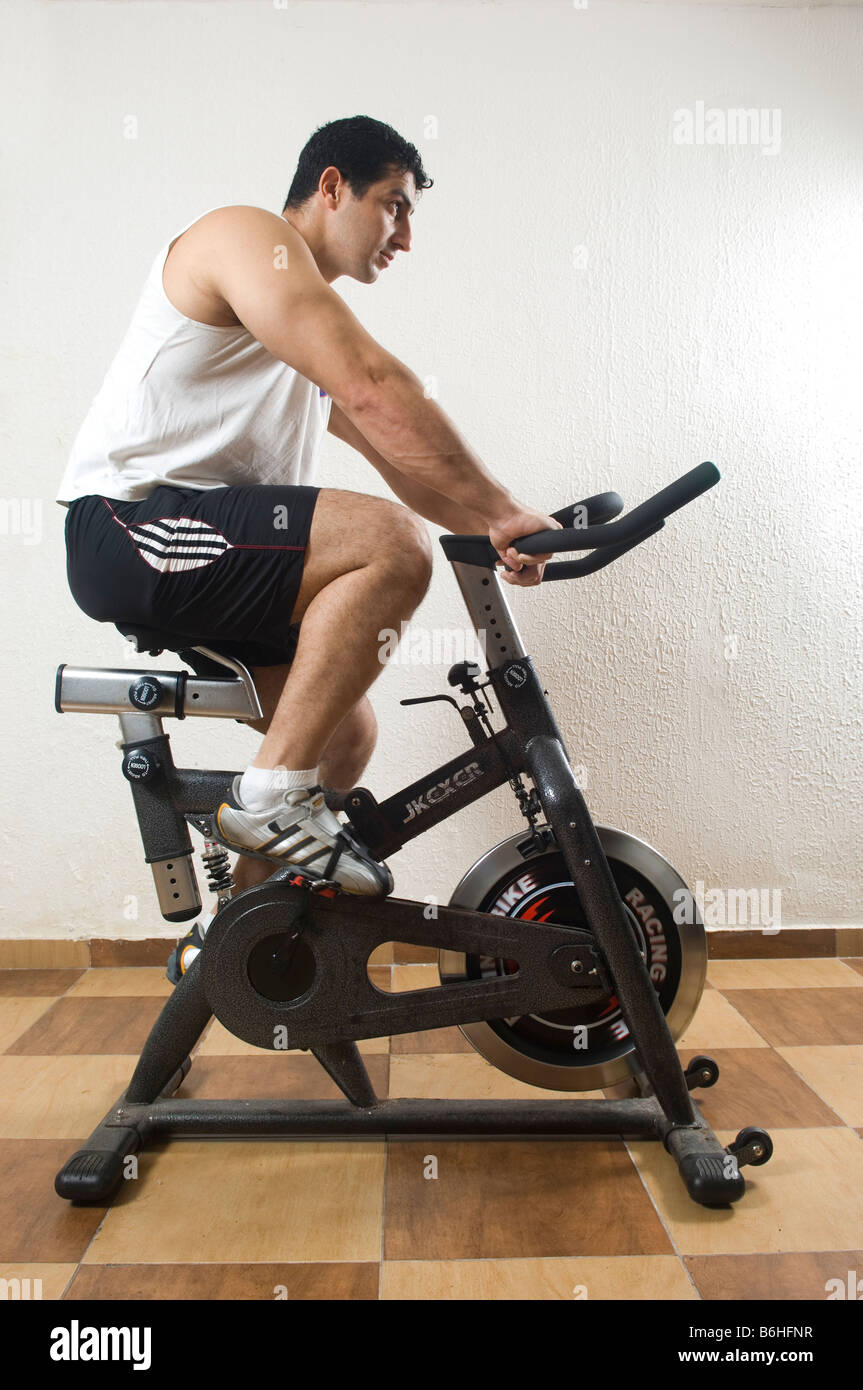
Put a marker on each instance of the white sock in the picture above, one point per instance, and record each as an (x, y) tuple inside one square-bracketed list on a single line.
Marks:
[(205, 921), (262, 787)]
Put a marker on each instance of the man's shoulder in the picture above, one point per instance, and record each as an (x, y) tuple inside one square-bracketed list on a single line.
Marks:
[(226, 224), (227, 246), (233, 237)]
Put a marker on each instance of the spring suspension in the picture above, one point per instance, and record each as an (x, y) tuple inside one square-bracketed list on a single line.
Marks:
[(217, 865)]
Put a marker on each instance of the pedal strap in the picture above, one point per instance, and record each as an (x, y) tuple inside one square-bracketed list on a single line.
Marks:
[(342, 843)]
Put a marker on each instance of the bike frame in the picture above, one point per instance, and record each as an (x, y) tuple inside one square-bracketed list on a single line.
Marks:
[(531, 742), (166, 797)]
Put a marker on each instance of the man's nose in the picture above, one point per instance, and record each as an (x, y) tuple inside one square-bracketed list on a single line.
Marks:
[(402, 238)]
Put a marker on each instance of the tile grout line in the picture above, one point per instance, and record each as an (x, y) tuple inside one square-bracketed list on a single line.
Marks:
[(383, 1218), (389, 1055), (809, 1086), (743, 1019), (109, 1207), (773, 1048), (672, 1242), (85, 1251)]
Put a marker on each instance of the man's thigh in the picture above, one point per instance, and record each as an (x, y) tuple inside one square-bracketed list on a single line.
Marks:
[(348, 530), (219, 567)]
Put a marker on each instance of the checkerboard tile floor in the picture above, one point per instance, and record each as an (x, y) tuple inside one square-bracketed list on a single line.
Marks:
[(501, 1220)]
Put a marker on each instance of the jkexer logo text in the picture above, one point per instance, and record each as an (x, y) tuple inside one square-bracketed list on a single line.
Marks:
[(440, 790)]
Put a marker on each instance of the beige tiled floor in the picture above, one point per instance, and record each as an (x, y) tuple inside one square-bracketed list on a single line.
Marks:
[(434, 1219)]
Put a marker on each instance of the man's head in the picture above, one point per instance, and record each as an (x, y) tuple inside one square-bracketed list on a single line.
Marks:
[(351, 198)]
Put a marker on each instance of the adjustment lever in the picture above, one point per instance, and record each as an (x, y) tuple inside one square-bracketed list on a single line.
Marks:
[(464, 675), (427, 699)]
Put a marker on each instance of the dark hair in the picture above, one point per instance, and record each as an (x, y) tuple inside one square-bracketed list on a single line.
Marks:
[(362, 149)]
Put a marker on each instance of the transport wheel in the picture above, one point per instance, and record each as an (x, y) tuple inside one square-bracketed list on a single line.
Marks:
[(752, 1145)]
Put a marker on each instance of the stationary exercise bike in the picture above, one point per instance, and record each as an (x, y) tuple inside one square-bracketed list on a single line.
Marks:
[(571, 956)]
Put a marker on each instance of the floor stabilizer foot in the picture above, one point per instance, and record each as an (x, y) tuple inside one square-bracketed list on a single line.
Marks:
[(93, 1175), (711, 1179), (711, 1173)]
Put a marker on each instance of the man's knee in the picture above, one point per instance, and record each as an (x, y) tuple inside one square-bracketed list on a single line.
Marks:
[(349, 530), (409, 547)]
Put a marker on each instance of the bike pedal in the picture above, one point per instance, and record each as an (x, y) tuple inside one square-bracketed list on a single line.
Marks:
[(327, 887)]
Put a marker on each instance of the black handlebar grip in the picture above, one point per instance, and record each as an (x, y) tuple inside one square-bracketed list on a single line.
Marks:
[(678, 493), (597, 559), (642, 517), (602, 507)]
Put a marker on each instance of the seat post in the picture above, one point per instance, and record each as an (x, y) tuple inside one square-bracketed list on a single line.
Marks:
[(148, 766)]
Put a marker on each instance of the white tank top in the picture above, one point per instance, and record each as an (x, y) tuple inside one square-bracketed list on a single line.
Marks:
[(187, 404)]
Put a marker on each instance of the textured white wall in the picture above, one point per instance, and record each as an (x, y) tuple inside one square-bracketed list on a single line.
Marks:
[(709, 683)]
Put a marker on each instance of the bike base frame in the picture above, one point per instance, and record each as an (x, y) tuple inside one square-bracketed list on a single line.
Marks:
[(95, 1172)]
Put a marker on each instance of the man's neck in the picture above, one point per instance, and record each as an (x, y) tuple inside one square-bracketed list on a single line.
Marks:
[(313, 238)]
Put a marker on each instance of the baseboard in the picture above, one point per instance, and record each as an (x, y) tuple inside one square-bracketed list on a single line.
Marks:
[(723, 943)]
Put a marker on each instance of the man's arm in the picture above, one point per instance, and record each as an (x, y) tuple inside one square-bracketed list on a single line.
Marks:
[(258, 264), (420, 498)]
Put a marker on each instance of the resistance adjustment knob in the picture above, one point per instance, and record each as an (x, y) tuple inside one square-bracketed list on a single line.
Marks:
[(145, 693), (141, 765)]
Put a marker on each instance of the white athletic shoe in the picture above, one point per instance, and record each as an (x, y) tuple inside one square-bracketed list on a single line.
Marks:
[(301, 830)]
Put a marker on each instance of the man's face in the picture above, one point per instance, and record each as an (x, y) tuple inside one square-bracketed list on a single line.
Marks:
[(367, 233)]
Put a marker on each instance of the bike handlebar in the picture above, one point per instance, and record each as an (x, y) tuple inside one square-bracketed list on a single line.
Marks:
[(610, 539), (605, 538)]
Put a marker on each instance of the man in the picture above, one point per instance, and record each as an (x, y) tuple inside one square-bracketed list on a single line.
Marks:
[(191, 503)]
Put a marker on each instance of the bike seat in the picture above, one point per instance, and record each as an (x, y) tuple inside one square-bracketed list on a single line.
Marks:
[(147, 639)]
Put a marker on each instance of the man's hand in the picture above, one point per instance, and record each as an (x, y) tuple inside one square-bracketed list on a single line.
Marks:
[(523, 521)]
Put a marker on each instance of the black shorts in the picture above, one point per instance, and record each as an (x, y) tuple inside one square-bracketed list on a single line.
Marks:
[(220, 567)]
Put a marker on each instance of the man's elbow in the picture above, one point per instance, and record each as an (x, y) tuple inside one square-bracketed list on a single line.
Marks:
[(381, 389)]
